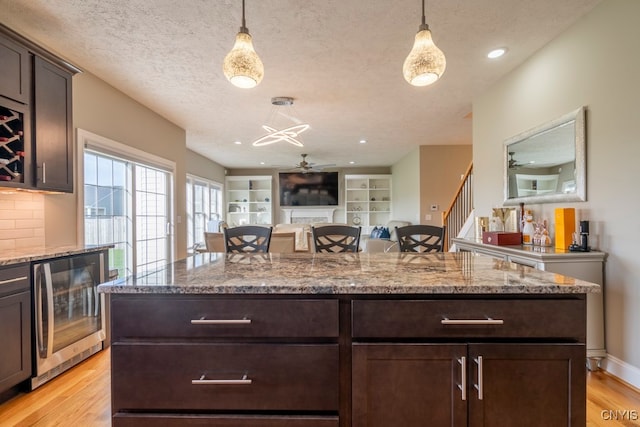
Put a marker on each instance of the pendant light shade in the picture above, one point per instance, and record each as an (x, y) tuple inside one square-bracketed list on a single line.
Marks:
[(425, 64), (242, 66)]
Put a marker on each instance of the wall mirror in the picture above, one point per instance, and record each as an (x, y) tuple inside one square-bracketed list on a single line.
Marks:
[(547, 164)]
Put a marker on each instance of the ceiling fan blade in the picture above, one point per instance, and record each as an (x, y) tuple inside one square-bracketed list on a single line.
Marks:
[(327, 165)]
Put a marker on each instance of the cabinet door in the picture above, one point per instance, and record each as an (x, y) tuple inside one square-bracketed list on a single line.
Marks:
[(14, 71), (408, 385), (52, 138), (15, 330), (527, 385)]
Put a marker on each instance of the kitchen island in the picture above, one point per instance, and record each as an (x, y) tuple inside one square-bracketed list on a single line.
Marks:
[(315, 340)]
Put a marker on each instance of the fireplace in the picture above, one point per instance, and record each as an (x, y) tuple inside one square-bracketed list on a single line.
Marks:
[(308, 216)]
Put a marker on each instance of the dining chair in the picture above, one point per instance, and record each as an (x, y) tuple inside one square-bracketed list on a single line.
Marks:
[(283, 242), (247, 238), (336, 238), (420, 238)]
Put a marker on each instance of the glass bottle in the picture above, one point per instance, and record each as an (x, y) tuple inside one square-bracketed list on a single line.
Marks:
[(528, 230)]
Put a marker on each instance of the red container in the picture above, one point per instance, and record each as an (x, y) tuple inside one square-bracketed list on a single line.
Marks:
[(501, 238)]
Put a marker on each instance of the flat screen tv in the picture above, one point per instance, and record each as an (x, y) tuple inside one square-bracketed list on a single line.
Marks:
[(308, 189)]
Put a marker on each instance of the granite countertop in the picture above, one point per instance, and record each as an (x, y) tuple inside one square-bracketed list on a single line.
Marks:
[(18, 256), (363, 273)]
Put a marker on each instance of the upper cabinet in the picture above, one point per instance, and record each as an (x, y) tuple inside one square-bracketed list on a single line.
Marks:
[(14, 71), (52, 127), (36, 140)]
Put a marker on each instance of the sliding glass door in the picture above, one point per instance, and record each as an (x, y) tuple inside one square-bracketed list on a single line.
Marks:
[(128, 204)]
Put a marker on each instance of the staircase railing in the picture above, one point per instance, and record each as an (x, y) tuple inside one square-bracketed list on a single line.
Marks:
[(460, 207)]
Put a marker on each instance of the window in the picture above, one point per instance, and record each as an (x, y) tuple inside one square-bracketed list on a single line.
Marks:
[(128, 203), (204, 209)]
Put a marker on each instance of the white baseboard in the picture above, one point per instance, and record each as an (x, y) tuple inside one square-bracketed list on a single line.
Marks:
[(621, 369)]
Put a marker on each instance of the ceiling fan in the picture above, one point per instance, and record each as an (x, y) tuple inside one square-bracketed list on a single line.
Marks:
[(513, 164), (304, 167)]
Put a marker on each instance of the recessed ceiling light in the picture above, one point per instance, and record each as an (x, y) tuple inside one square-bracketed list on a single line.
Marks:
[(363, 141), (237, 142), (497, 53), (352, 162), (262, 163)]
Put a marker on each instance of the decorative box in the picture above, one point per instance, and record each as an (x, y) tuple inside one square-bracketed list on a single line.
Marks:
[(501, 238)]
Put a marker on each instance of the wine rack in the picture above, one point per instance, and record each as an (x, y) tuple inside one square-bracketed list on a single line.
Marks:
[(11, 145)]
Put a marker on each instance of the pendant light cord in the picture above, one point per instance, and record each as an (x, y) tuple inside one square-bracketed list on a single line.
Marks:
[(424, 25), (243, 28)]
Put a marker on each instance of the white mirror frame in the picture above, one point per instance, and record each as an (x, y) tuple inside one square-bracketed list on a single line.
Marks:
[(580, 195)]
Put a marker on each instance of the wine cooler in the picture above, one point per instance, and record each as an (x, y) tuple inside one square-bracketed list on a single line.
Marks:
[(69, 313)]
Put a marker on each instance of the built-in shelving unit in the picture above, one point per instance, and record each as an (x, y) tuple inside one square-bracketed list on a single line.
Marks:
[(533, 185), (367, 201), (249, 200)]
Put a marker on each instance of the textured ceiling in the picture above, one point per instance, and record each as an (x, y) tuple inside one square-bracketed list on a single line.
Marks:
[(341, 60)]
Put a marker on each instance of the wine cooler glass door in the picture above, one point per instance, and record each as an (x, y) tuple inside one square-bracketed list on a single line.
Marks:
[(67, 305)]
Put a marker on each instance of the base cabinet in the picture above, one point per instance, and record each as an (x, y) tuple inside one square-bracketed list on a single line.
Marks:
[(475, 385), (348, 360), (15, 326), (407, 385), (241, 362), (526, 385)]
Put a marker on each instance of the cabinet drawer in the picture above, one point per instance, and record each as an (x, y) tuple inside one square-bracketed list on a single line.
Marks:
[(159, 317), (170, 420), (14, 279), (278, 377), (536, 318)]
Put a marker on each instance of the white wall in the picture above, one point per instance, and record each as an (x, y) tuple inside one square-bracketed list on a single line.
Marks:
[(406, 188), (596, 63), (441, 167)]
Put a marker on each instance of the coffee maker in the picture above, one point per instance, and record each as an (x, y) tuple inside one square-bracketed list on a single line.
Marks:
[(583, 245)]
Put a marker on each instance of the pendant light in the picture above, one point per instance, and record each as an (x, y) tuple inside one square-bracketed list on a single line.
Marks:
[(278, 130), (242, 66), (425, 63)]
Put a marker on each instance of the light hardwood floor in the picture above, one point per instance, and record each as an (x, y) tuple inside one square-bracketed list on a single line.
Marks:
[(81, 397)]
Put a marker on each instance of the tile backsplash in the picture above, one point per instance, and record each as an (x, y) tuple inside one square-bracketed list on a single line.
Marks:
[(21, 220)]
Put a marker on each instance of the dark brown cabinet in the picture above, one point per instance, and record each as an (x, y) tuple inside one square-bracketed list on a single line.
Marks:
[(446, 362), (15, 326), (52, 127), (408, 385), (36, 127), (184, 360), (15, 73), (527, 384), (476, 385), (348, 360)]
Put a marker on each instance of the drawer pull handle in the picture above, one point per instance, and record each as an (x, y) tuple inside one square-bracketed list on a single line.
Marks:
[(480, 385), (203, 381), (463, 377), (17, 279), (488, 321), (203, 321)]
